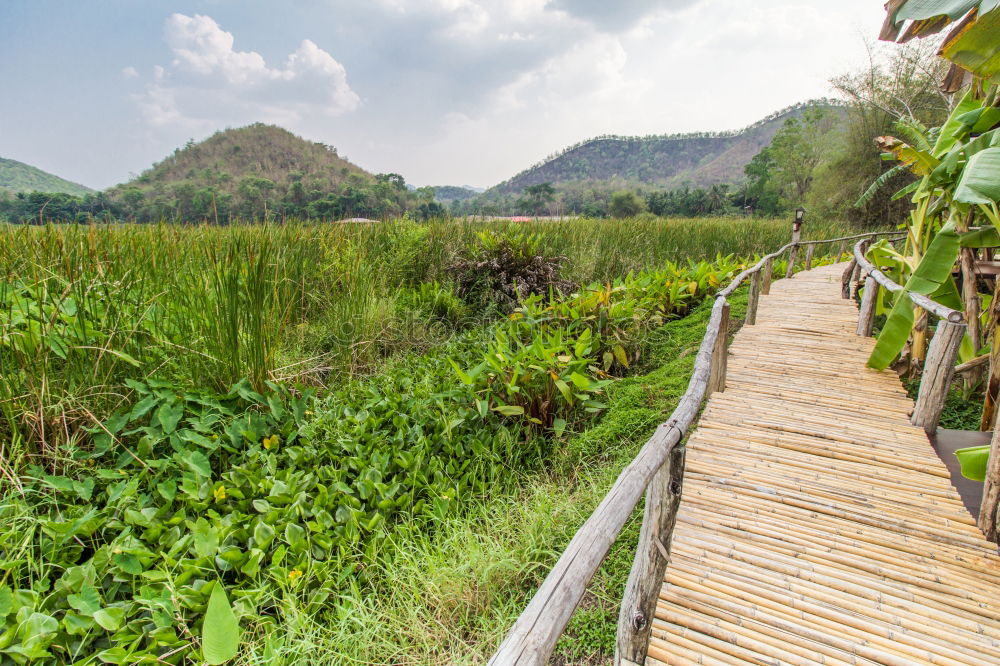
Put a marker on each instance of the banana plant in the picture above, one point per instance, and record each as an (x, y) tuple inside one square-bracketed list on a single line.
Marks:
[(971, 45)]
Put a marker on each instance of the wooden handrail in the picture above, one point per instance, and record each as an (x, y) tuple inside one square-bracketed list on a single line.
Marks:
[(942, 311), (536, 631), (661, 462), (939, 366)]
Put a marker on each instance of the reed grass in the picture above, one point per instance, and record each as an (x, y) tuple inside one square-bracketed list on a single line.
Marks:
[(85, 309)]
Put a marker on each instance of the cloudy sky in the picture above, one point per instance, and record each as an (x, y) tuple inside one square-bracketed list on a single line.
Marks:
[(441, 91)]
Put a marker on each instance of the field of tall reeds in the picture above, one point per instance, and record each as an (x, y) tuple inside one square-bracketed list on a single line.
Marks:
[(257, 421)]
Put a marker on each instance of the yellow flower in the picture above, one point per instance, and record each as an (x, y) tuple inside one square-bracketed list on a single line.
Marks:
[(294, 574), (308, 412), (268, 442), (220, 493)]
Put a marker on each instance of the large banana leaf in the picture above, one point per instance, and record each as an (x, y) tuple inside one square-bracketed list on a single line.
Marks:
[(975, 47), (932, 277), (985, 237), (972, 44), (980, 180), (918, 10), (948, 135)]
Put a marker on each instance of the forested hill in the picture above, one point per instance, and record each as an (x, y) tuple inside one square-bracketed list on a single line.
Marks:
[(20, 177), (256, 171), (258, 151), (699, 159)]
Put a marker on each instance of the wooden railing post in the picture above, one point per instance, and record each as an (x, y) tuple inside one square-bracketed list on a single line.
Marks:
[(768, 271), (866, 316), (840, 252), (717, 374), (938, 371), (753, 298), (635, 618), (809, 256), (845, 280), (990, 506)]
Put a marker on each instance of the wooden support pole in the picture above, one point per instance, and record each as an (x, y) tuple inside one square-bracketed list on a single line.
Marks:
[(990, 506), (840, 252), (753, 298), (992, 389), (845, 280), (768, 271), (717, 374), (635, 618), (939, 368), (809, 256), (866, 316)]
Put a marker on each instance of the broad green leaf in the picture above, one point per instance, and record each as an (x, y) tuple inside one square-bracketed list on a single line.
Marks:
[(976, 48), (937, 263), (918, 10), (980, 180), (198, 463), (220, 634), (559, 427), (37, 625), (206, 538), (114, 655), (509, 410), (87, 602), (894, 334), (6, 601), (142, 407), (128, 563), (985, 237), (619, 353), (946, 139), (462, 375), (110, 618), (75, 624), (169, 415), (973, 461), (565, 390), (295, 536)]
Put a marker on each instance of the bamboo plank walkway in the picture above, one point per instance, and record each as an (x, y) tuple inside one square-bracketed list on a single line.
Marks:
[(817, 525)]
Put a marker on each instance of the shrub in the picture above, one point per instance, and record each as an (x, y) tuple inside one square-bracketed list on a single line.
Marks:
[(504, 267)]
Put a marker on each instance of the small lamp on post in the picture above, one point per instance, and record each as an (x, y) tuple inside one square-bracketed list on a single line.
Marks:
[(800, 216), (793, 253)]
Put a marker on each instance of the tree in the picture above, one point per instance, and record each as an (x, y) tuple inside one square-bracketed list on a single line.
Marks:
[(625, 204), (538, 197)]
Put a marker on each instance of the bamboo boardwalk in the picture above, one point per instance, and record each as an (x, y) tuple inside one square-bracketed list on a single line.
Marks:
[(817, 525)]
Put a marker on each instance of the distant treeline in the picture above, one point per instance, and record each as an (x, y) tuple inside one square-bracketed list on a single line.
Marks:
[(254, 198)]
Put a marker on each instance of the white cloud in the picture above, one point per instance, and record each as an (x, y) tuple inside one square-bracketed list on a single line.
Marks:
[(209, 83), (130, 72)]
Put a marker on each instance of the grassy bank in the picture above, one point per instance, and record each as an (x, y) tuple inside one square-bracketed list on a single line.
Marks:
[(451, 595)]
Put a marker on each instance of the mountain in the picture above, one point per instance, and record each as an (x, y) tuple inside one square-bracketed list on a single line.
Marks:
[(699, 159), (20, 177), (449, 193), (229, 156), (259, 171)]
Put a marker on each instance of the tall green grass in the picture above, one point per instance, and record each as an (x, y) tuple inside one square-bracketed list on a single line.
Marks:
[(85, 309)]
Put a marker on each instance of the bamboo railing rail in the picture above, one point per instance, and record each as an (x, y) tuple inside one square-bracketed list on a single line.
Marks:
[(939, 366), (658, 471)]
